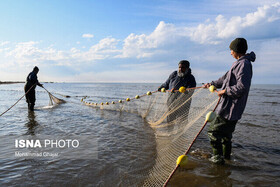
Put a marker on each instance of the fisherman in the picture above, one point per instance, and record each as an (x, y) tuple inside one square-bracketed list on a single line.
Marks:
[(235, 85), (177, 79), (29, 88)]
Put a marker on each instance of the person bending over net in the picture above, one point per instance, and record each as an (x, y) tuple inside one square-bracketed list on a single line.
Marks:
[(177, 79), (29, 88), (235, 86)]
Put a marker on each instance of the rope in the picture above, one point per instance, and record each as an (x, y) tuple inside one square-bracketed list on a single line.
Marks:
[(66, 96), (187, 151), (17, 100), (46, 90)]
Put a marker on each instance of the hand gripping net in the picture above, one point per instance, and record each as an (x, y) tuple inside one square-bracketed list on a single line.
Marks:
[(176, 119)]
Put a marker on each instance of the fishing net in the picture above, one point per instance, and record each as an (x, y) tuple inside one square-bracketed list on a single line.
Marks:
[(176, 119), (54, 100)]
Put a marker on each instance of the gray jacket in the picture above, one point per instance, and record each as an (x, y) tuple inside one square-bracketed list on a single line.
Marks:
[(236, 82)]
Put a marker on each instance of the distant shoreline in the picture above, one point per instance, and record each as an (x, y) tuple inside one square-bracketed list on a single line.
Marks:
[(10, 82), (16, 82)]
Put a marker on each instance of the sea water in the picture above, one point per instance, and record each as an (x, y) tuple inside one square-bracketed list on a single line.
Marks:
[(119, 143)]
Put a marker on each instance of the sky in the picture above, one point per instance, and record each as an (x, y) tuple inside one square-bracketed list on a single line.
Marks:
[(135, 41)]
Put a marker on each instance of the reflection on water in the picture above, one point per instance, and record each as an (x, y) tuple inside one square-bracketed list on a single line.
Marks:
[(31, 123)]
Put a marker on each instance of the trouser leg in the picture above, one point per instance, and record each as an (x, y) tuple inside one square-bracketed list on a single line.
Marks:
[(220, 134), (227, 145), (216, 143), (31, 107), (30, 99)]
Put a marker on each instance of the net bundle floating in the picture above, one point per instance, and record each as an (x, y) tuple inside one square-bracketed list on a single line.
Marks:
[(176, 118), (54, 100)]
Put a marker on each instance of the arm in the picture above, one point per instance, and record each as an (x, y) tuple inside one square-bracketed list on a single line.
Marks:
[(39, 84), (166, 84), (34, 80), (219, 83), (243, 81)]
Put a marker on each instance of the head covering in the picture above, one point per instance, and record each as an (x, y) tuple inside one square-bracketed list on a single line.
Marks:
[(35, 68), (185, 63), (239, 45)]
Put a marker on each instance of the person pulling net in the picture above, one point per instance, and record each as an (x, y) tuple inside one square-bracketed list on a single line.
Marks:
[(29, 88)]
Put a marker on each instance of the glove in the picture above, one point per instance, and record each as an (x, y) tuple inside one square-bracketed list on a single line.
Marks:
[(173, 90)]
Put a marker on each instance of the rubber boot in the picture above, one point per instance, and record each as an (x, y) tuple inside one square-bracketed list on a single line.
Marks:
[(217, 159)]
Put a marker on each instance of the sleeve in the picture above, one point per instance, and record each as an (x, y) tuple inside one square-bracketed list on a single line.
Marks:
[(219, 83), (243, 75), (166, 84)]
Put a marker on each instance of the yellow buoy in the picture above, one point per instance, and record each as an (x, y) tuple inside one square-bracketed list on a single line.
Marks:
[(120, 101), (107, 103), (163, 90), (149, 93), (127, 99), (137, 97), (210, 116), (182, 89), (212, 88), (182, 160), (82, 100), (102, 103), (113, 102)]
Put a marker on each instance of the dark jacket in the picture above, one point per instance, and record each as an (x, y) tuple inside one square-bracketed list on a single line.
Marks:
[(236, 82), (31, 80), (174, 81)]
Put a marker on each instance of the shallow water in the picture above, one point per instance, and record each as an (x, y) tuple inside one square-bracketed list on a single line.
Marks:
[(125, 144)]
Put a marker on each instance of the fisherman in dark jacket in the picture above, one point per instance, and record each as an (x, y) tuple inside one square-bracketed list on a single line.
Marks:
[(177, 79), (182, 77), (29, 88), (235, 86)]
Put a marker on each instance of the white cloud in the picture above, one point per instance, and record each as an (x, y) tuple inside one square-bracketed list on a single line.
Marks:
[(205, 45), (29, 53), (146, 45), (222, 28), (4, 43), (88, 36), (106, 48), (166, 36)]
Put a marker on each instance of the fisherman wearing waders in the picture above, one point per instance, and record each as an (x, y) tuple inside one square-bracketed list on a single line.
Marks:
[(182, 77), (235, 86), (29, 88)]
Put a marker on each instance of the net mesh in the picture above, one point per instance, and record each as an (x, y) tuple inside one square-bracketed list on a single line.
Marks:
[(54, 100), (176, 119)]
